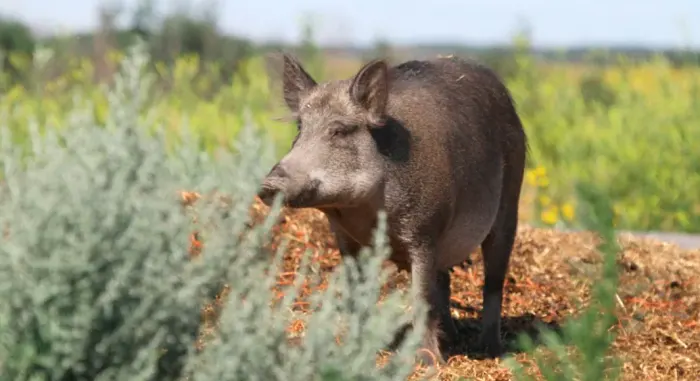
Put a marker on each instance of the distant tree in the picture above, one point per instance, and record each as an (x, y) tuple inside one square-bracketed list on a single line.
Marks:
[(184, 31), (501, 60), (308, 50), (683, 58), (143, 19), (16, 39), (105, 39), (382, 49), (504, 60)]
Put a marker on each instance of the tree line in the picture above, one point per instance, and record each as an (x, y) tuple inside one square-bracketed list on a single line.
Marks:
[(189, 31)]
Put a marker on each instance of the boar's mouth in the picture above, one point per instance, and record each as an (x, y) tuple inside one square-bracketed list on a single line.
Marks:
[(267, 194), (304, 197)]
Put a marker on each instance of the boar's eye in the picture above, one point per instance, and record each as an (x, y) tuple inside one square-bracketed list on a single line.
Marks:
[(340, 129)]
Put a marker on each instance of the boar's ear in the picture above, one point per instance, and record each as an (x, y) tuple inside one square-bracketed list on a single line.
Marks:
[(295, 80), (370, 89)]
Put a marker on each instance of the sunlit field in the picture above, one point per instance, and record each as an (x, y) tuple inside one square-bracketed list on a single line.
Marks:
[(629, 128)]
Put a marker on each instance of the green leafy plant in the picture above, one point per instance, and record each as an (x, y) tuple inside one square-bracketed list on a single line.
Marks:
[(582, 352)]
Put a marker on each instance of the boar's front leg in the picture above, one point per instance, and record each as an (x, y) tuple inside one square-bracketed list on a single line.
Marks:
[(448, 329), (433, 287), (349, 248)]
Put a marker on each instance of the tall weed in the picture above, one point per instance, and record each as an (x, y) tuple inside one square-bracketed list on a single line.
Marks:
[(582, 352)]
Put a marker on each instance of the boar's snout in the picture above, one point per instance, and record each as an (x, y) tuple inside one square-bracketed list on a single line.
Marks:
[(299, 188), (272, 184)]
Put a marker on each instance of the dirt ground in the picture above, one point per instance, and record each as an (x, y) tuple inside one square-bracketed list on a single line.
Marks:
[(658, 301)]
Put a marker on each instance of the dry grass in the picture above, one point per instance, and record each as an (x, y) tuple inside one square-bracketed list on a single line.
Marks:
[(658, 334)]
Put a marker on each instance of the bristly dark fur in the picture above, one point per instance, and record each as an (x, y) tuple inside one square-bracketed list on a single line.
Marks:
[(436, 144)]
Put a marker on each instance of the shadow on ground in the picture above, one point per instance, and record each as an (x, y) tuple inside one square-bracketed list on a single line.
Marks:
[(511, 328), (470, 328)]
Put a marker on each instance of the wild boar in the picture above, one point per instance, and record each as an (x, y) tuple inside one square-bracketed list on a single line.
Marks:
[(436, 144)]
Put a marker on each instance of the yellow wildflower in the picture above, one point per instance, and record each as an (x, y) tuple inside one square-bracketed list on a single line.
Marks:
[(540, 172), (115, 56), (549, 216), (567, 210), (531, 177)]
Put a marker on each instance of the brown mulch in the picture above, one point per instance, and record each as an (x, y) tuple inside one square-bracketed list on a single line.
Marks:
[(658, 301)]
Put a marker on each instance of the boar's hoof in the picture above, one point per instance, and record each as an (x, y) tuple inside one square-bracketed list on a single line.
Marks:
[(492, 348), (429, 357)]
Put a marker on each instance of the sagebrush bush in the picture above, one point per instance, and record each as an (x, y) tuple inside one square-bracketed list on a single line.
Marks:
[(96, 282)]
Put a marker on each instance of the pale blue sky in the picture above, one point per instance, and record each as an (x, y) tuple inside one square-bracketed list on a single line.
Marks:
[(660, 23)]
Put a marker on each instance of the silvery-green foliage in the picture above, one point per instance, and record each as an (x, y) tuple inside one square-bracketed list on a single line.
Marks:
[(96, 282), (95, 277), (261, 350)]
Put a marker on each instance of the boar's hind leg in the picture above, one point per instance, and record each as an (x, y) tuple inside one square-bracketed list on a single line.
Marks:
[(496, 250)]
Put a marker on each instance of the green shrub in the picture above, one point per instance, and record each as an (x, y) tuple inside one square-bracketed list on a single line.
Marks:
[(96, 282), (582, 353)]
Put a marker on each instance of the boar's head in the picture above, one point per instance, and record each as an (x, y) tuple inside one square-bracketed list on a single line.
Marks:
[(334, 161)]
